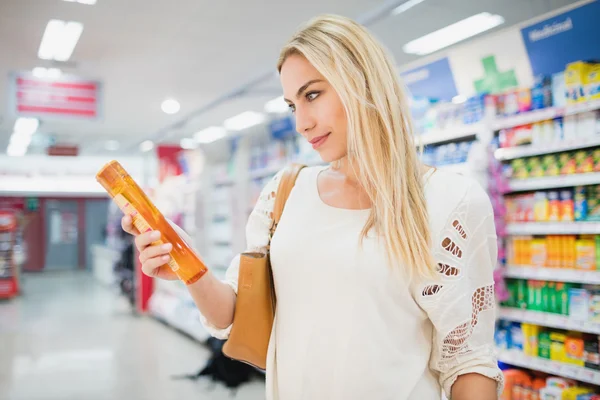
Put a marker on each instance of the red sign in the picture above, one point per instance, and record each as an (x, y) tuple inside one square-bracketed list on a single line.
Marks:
[(63, 97), (168, 159), (62, 151)]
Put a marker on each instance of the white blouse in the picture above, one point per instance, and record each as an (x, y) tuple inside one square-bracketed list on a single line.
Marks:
[(350, 327)]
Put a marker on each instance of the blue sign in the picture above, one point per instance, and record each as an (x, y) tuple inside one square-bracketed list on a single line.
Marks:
[(568, 37), (432, 81), (282, 128)]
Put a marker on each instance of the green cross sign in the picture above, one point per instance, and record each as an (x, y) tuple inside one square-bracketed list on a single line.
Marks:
[(494, 81)]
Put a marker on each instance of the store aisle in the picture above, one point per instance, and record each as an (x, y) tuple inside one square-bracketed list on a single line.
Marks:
[(67, 338)]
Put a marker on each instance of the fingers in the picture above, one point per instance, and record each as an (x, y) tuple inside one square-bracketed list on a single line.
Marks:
[(127, 225), (146, 239), (155, 251), (153, 266)]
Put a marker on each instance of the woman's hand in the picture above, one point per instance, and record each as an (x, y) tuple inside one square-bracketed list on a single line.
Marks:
[(154, 257)]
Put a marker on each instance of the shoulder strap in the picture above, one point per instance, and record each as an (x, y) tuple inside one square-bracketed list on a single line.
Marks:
[(288, 180)]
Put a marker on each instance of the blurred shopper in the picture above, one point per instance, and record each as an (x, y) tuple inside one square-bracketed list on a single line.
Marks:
[(382, 265)]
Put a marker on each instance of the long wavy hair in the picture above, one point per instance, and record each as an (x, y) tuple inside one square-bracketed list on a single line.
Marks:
[(380, 133)]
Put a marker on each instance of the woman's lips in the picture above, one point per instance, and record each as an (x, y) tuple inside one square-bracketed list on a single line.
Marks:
[(319, 140)]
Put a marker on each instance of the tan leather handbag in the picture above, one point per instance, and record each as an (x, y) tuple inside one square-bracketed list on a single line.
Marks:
[(255, 304)]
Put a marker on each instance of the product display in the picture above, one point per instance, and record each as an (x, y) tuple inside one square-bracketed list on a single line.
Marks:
[(523, 385), (580, 204), (564, 251), (445, 154), (9, 276), (576, 162)]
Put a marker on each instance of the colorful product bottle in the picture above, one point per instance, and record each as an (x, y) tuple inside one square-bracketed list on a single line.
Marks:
[(132, 200)]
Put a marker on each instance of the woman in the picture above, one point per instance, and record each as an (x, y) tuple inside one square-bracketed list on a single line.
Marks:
[(382, 266)]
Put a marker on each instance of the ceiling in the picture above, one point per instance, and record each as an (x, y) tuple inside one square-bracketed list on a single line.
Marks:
[(144, 51)]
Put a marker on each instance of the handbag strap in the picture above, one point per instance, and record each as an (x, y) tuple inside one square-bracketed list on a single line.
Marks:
[(288, 180)]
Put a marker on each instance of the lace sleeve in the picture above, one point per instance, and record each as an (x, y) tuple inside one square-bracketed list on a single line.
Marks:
[(257, 240), (461, 303)]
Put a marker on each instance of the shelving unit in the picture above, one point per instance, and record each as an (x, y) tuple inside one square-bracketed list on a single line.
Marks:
[(549, 320), (527, 118), (554, 182), (518, 359), (450, 134), (553, 228), (552, 274), (511, 153)]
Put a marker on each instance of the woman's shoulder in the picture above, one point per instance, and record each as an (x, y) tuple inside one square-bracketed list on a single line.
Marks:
[(447, 190)]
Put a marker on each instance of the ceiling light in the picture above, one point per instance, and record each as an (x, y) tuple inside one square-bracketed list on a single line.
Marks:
[(188, 144), (276, 106), (87, 2), (40, 72), (170, 106), (452, 34), (26, 126), (407, 5), (243, 121), (15, 151), (210, 134), (112, 145), (59, 40), (147, 146)]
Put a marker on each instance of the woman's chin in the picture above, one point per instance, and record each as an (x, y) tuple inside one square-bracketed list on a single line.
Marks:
[(330, 156)]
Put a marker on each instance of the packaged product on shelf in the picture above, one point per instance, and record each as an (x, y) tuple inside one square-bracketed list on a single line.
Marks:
[(585, 253), (593, 200), (584, 161), (586, 125), (570, 128), (581, 205), (593, 82), (574, 349), (516, 336), (511, 103), (524, 99), (562, 297), (575, 82), (501, 335), (535, 167), (541, 93), (550, 165), (578, 304), (567, 206), (538, 253), (567, 164), (558, 352), (544, 345), (596, 157), (520, 169), (559, 89), (592, 352), (558, 129), (553, 206), (575, 393), (541, 207)]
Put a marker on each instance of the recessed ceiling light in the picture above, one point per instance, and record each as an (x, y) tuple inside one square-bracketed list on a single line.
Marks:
[(243, 121), (276, 106), (210, 134), (112, 145), (452, 34), (40, 72), (59, 40), (26, 126), (147, 146), (170, 106)]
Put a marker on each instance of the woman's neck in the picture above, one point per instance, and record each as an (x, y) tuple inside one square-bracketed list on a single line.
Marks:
[(347, 170)]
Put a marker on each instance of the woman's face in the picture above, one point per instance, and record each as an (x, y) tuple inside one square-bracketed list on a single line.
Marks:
[(320, 115)]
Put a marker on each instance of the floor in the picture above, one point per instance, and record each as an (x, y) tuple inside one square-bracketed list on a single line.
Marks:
[(68, 338)]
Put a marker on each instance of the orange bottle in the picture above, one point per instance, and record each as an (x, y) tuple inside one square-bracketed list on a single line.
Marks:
[(132, 200)]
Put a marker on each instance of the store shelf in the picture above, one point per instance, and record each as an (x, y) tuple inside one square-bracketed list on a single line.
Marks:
[(553, 274), (511, 153), (583, 107), (553, 182), (553, 228), (519, 359), (449, 134), (526, 118), (548, 320)]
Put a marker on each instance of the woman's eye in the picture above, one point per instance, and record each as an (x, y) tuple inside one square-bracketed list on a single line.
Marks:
[(312, 95), (292, 108)]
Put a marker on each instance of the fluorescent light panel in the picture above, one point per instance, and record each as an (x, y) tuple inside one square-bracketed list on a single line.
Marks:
[(211, 134), (406, 6), (170, 106), (59, 40), (243, 121), (188, 144), (452, 34), (52, 73)]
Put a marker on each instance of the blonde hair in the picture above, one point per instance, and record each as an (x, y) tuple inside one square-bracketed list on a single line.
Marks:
[(380, 139)]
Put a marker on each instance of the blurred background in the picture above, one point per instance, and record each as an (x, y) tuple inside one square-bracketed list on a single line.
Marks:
[(186, 96)]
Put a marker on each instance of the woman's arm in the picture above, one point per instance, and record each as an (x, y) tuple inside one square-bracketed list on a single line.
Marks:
[(474, 387), (215, 300)]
